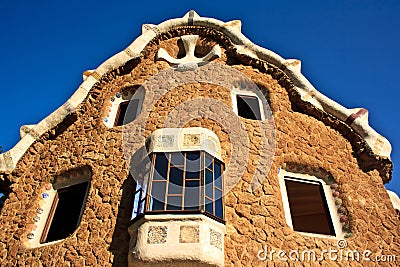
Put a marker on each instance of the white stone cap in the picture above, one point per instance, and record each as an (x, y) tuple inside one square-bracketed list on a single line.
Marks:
[(184, 139), (395, 199)]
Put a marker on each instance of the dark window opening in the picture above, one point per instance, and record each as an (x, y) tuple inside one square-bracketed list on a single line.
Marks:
[(248, 107), (125, 115), (5, 190), (3, 198), (308, 207), (183, 181), (66, 212)]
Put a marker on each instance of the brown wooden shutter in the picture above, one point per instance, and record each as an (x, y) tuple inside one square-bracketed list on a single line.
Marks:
[(308, 207)]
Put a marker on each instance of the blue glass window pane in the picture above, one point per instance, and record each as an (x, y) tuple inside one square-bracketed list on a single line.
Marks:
[(218, 194), (192, 198), (141, 207), (193, 162), (217, 169), (174, 203), (175, 181), (143, 192), (217, 174), (192, 175), (177, 159), (209, 177), (209, 191), (158, 191), (161, 167), (192, 183), (156, 205), (176, 176), (135, 211), (208, 162), (218, 182), (219, 209), (158, 176), (209, 207)]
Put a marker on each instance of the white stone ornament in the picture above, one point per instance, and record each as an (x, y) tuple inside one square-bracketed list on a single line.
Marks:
[(189, 42)]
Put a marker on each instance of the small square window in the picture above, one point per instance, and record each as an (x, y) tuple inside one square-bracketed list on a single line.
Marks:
[(248, 107), (123, 112)]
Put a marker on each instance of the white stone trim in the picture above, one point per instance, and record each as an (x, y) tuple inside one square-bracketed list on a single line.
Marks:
[(394, 198), (339, 234), (378, 144), (201, 253), (175, 140)]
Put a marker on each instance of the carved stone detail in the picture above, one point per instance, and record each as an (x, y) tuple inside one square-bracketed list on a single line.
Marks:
[(191, 139), (216, 239), (189, 234), (157, 234), (189, 42)]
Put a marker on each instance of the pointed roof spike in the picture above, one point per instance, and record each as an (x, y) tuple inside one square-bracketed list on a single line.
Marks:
[(86, 74), (294, 64), (192, 14), (234, 24)]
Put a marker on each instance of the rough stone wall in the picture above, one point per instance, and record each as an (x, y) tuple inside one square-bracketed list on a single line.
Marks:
[(257, 219), (254, 219)]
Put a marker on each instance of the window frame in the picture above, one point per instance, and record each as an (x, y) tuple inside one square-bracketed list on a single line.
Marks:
[(243, 97), (54, 205), (246, 93), (118, 114), (328, 198), (112, 112), (126, 103), (202, 194)]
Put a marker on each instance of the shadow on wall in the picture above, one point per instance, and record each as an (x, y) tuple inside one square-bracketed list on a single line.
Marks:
[(5, 190), (69, 120), (119, 246), (120, 243)]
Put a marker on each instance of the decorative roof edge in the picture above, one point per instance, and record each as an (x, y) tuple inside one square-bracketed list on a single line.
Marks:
[(356, 118)]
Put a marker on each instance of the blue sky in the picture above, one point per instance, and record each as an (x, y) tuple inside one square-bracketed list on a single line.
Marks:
[(349, 50)]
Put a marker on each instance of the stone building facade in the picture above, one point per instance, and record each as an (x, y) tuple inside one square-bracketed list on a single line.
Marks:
[(106, 179)]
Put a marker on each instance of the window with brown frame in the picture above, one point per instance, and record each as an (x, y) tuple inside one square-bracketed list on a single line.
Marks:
[(248, 107), (182, 182), (308, 206), (66, 212), (125, 115)]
